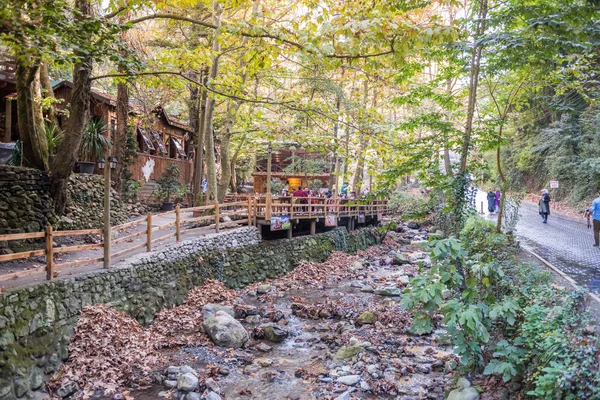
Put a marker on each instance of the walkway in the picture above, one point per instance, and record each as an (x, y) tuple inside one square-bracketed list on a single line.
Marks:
[(564, 241), (96, 253)]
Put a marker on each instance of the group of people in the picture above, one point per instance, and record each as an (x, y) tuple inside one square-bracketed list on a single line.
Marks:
[(592, 214), (345, 193), (493, 199)]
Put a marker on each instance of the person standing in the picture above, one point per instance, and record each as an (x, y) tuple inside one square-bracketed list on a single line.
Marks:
[(544, 206), (595, 209), (344, 189), (491, 199), (497, 201)]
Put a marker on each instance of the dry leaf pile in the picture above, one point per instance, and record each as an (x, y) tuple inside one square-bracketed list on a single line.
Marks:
[(182, 325), (108, 350)]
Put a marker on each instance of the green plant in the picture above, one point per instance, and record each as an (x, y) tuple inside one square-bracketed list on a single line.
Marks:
[(53, 136), (15, 157), (168, 184), (409, 205), (93, 142), (276, 186), (131, 190)]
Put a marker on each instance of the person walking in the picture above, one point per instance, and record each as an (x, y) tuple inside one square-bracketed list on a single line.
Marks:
[(491, 199), (544, 206), (497, 202), (595, 209)]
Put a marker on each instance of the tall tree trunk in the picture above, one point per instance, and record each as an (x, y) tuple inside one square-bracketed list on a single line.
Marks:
[(194, 112), (447, 163), (473, 82), (29, 112), (211, 167), (62, 166), (503, 182), (48, 93), (120, 139), (233, 163), (225, 141), (360, 164)]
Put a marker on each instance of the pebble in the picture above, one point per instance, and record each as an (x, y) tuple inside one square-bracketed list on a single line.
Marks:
[(211, 384), (348, 380)]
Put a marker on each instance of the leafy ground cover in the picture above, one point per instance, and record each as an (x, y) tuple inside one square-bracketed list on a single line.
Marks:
[(506, 320)]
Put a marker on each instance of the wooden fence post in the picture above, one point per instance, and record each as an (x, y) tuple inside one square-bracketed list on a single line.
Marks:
[(178, 223), (249, 210), (49, 254), (149, 232), (217, 217)]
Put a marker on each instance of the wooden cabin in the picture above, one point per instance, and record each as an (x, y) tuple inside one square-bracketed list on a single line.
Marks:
[(296, 167)]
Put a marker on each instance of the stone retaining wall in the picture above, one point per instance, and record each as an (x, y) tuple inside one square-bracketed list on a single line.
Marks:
[(26, 206), (36, 322)]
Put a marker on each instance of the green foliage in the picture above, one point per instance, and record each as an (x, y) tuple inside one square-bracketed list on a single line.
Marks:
[(409, 205), (506, 319), (93, 142), (168, 185), (299, 165), (53, 136), (276, 186)]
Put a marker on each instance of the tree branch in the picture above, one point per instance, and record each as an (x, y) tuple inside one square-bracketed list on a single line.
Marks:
[(265, 35)]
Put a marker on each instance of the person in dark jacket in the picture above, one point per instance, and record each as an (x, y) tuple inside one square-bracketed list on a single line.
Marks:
[(491, 199), (544, 206)]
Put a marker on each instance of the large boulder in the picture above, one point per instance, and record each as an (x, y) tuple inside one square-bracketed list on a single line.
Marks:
[(464, 391), (225, 331), (211, 309), (187, 382), (366, 318), (389, 291), (400, 259), (274, 333)]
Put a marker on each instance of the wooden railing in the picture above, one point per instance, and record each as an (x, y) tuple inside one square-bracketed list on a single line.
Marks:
[(245, 211), (238, 213)]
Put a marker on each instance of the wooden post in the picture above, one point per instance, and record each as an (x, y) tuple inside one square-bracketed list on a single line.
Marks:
[(49, 254), (337, 208), (313, 227), (309, 208), (249, 210), (292, 204), (217, 217), (349, 224), (289, 231), (149, 232), (178, 223), (268, 207), (106, 241), (8, 122)]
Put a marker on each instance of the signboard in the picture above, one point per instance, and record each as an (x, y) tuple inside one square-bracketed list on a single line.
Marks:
[(554, 184), (330, 220), (361, 218), (281, 223)]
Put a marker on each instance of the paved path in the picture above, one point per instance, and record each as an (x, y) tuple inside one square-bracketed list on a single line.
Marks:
[(564, 241)]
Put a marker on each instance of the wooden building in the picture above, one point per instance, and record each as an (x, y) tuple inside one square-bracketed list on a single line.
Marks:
[(163, 140), (296, 167)]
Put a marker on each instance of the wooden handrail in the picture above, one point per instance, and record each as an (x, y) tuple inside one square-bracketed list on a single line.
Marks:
[(250, 208)]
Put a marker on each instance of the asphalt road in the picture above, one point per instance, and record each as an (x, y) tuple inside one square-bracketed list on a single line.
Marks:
[(565, 242)]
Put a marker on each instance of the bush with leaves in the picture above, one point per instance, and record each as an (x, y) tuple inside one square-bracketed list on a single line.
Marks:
[(409, 205), (506, 319)]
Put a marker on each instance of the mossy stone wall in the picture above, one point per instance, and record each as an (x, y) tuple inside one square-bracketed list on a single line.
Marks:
[(36, 322)]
